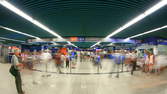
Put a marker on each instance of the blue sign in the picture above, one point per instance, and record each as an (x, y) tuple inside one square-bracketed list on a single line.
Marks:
[(81, 39), (122, 40)]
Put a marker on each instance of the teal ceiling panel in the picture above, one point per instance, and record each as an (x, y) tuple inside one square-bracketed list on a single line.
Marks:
[(86, 18)]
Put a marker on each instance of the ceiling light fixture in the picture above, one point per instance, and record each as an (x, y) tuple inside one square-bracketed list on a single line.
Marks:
[(147, 32), (151, 10), (29, 18), (11, 39), (72, 44), (96, 44), (9, 29)]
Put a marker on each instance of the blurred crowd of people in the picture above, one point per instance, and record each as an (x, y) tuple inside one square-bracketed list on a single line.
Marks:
[(130, 59), (29, 59), (148, 62), (122, 60)]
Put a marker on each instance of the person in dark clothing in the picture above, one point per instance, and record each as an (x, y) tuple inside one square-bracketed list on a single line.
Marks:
[(133, 67), (67, 61), (15, 71), (133, 61)]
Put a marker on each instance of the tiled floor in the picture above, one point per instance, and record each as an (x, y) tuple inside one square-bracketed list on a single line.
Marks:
[(81, 83)]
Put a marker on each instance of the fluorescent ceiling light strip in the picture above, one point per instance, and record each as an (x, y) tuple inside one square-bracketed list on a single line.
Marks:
[(159, 5), (72, 44), (96, 44), (27, 17), (140, 17), (147, 32), (54, 43), (11, 39), (9, 29)]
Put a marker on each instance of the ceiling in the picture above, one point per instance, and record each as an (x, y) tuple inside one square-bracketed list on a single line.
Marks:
[(82, 18)]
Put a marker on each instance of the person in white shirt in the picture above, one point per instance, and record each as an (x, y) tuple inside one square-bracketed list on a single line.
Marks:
[(15, 71), (63, 60), (45, 58)]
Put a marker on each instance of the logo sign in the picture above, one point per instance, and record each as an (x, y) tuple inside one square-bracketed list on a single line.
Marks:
[(73, 38)]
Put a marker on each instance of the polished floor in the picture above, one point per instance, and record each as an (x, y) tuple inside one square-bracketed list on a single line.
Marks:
[(84, 79)]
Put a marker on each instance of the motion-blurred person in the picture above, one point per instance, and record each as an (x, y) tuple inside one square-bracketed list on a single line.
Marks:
[(63, 60), (73, 59), (147, 61), (81, 56), (133, 61), (88, 56), (67, 61), (29, 60), (78, 55), (58, 62), (39, 57), (150, 61), (34, 56), (91, 56), (127, 60), (46, 57), (24, 56), (122, 59), (160, 62), (15, 71), (117, 62), (98, 60)]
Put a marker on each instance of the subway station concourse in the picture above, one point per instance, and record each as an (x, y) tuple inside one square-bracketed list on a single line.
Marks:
[(83, 46)]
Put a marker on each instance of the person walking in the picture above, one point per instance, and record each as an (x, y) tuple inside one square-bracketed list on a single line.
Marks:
[(58, 62), (150, 61), (67, 61), (117, 62), (15, 71), (133, 61)]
